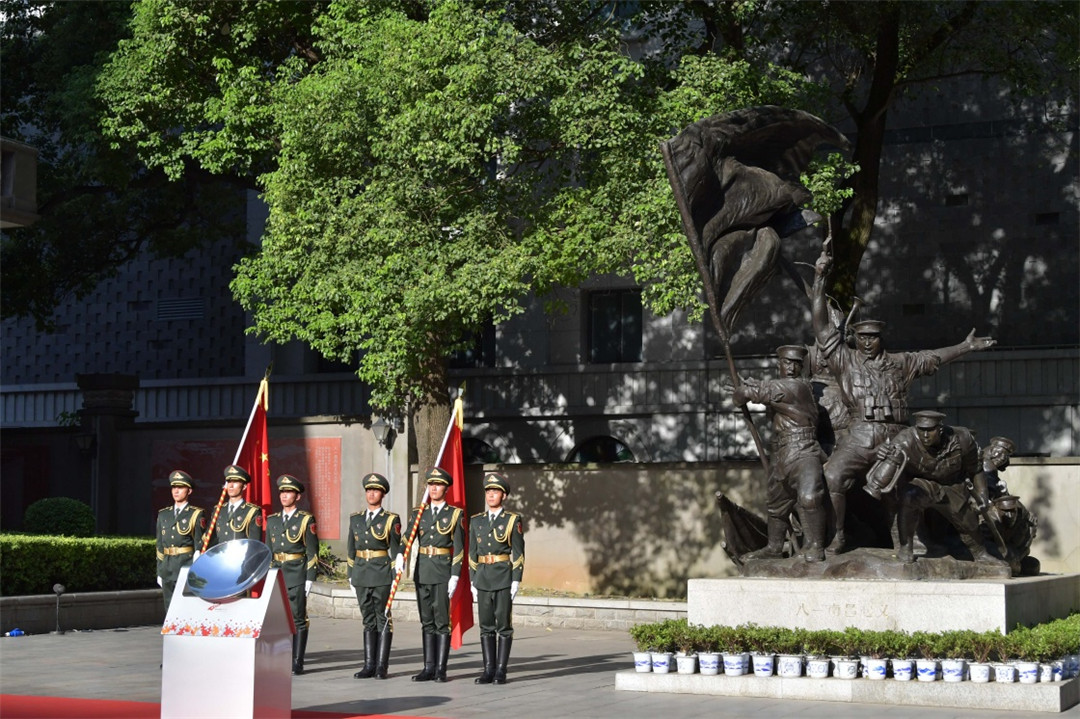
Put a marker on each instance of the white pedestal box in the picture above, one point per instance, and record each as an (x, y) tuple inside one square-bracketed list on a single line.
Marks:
[(231, 658)]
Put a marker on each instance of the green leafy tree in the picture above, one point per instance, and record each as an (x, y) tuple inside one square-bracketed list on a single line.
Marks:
[(428, 163), (874, 56), (99, 205)]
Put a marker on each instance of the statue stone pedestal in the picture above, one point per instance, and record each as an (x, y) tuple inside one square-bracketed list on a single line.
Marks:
[(927, 605)]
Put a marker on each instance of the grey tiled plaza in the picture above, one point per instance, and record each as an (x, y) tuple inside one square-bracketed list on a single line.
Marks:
[(554, 673)]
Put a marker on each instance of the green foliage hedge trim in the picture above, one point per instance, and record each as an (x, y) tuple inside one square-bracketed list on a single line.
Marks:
[(31, 564), (1041, 643)]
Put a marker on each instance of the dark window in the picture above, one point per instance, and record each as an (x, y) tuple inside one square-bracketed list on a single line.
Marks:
[(615, 326), (600, 450), (477, 451), (479, 353)]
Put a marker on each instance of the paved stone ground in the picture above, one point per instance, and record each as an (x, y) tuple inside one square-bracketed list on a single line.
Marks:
[(554, 673)]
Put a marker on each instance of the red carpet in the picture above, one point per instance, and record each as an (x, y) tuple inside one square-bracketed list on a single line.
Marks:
[(14, 706)]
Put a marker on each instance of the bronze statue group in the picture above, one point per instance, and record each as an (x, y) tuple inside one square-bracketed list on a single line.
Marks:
[(375, 558), (907, 462)]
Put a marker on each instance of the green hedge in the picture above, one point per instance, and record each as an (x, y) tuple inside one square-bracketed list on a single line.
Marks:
[(59, 515), (32, 564), (1042, 642)]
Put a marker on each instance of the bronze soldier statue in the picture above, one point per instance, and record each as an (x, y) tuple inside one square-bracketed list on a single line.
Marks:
[(795, 479), (874, 387), (942, 471)]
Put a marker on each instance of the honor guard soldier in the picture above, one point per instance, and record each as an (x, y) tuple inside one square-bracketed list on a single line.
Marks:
[(294, 541), (440, 549), (496, 563), (374, 557), (180, 529), (238, 519)]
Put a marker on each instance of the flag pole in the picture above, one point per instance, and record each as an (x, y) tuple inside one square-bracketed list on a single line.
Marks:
[(455, 417), (263, 395)]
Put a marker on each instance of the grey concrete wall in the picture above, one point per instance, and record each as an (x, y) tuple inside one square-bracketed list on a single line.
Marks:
[(36, 614)]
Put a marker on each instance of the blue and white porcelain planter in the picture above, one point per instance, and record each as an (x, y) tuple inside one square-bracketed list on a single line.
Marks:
[(764, 664), (709, 663), (686, 663), (662, 661), (1027, 672), (1004, 673), (979, 672), (642, 662), (789, 666), (736, 664), (874, 668), (903, 669), (927, 670), (953, 670)]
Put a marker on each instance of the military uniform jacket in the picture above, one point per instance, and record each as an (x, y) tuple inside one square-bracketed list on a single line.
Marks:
[(496, 550), (956, 459), (244, 523), (183, 530), (875, 390), (382, 535), (447, 536), (295, 546)]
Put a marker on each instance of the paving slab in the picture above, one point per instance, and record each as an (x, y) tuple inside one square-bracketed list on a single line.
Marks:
[(554, 673)]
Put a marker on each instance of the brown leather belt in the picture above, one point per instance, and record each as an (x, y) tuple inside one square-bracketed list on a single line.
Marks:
[(173, 551), (371, 553), (435, 551), (283, 557), (492, 558)]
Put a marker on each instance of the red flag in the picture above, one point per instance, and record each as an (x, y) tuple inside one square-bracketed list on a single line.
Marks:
[(461, 615), (254, 453)]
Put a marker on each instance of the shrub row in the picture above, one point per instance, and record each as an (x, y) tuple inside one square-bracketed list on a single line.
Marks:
[(32, 564), (1043, 642)]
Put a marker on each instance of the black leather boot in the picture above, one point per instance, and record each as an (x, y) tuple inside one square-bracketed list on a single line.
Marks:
[(428, 672), (813, 521), (385, 640), (487, 647), (503, 656), (299, 647), (371, 642), (442, 654), (775, 547)]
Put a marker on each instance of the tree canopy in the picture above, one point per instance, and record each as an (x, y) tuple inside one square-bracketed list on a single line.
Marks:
[(427, 163), (99, 206)]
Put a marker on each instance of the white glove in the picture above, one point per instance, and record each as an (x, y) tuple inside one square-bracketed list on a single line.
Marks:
[(513, 589), (451, 586), (475, 596), (195, 555), (161, 582), (307, 587), (399, 563)]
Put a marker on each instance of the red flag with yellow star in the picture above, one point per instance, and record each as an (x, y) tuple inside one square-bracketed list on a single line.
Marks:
[(254, 453)]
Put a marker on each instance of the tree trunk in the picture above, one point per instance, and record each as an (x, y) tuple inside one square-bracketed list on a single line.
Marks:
[(850, 242), (430, 419)]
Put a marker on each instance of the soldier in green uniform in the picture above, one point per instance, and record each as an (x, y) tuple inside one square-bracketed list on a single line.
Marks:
[(294, 541), (374, 556), (179, 533), (238, 519), (440, 549), (496, 563)]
